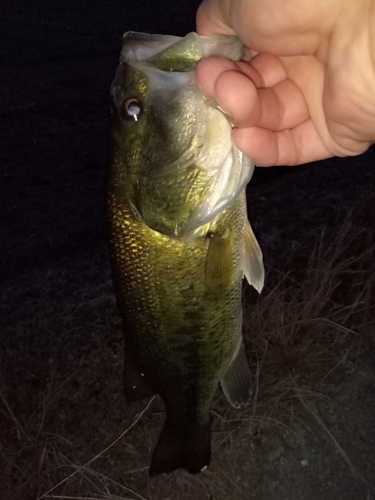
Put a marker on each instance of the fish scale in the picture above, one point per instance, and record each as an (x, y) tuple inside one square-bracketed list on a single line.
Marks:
[(155, 297)]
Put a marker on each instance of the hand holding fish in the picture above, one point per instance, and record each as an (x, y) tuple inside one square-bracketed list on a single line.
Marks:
[(307, 89)]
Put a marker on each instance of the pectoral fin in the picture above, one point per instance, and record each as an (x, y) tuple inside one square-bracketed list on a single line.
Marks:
[(219, 263), (252, 262), (236, 382)]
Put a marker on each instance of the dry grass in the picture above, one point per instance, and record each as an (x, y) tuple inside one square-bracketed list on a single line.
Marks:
[(321, 316), (67, 433)]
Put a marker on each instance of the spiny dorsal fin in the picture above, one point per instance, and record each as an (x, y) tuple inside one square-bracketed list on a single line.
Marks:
[(252, 261)]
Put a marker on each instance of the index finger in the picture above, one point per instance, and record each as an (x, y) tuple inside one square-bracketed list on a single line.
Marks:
[(264, 98)]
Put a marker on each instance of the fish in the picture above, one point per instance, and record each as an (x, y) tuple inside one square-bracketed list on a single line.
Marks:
[(180, 241)]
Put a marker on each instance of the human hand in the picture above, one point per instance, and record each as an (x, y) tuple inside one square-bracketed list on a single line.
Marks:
[(306, 90)]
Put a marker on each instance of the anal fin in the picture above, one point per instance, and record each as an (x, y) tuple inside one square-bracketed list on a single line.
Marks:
[(236, 382)]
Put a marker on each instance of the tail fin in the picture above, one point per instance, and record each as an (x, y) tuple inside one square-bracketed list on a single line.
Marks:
[(178, 448)]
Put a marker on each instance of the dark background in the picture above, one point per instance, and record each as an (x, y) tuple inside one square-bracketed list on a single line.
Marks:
[(58, 60)]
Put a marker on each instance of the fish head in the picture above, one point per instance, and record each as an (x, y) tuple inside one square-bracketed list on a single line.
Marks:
[(172, 154)]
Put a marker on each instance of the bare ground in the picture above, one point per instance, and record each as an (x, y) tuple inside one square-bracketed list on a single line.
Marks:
[(310, 430)]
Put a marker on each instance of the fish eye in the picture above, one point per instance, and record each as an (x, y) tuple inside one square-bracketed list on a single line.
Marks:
[(132, 109)]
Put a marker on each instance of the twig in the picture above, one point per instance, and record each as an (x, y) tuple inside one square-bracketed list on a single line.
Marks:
[(257, 375), (64, 497), (140, 415), (19, 427), (126, 488)]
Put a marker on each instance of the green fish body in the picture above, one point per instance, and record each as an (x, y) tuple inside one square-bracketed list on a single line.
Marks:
[(179, 239)]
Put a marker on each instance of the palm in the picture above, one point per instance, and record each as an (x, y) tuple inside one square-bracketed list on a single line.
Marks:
[(292, 109)]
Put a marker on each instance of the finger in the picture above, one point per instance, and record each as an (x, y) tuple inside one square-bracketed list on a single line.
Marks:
[(270, 67), (277, 108), (287, 147), (209, 70), (234, 86), (265, 70)]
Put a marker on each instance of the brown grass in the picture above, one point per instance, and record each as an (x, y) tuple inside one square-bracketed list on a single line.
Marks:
[(67, 433)]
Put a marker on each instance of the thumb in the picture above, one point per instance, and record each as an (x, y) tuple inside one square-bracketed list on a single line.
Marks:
[(213, 18)]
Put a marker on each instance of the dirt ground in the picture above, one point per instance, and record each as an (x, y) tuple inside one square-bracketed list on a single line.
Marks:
[(309, 434)]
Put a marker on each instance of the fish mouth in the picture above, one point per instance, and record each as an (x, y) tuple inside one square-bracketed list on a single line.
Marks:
[(142, 46), (138, 47), (168, 64)]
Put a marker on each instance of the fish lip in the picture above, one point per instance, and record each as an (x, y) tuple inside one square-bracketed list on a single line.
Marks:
[(140, 46)]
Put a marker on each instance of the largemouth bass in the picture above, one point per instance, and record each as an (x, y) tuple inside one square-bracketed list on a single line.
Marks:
[(179, 239)]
